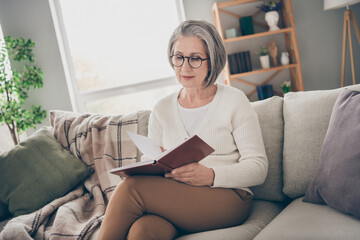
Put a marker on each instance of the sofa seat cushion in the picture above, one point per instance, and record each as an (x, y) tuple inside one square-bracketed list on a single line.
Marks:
[(262, 213), (302, 220), (306, 119)]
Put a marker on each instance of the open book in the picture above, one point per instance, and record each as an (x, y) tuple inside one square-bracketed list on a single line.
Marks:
[(191, 150)]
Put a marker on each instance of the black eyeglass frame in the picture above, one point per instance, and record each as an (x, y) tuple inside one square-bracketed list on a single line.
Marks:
[(188, 58)]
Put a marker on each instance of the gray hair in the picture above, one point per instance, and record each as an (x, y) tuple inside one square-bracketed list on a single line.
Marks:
[(214, 45)]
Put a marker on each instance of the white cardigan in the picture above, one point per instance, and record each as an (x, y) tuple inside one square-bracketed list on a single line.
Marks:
[(230, 126)]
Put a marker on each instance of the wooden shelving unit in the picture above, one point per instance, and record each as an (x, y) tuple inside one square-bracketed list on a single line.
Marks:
[(288, 31)]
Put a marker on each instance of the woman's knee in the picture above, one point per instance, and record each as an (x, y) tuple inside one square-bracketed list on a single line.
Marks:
[(150, 227), (127, 186), (137, 183)]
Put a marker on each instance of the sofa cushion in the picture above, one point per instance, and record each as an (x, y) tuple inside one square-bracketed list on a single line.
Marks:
[(36, 171), (4, 212), (306, 119), (301, 220), (262, 213), (337, 180), (270, 114)]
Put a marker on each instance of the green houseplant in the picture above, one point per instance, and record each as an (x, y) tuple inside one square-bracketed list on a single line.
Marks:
[(264, 56), (286, 86), (15, 84), (263, 51), (268, 6)]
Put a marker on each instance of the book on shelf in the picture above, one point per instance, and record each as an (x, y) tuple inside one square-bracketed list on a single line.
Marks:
[(192, 149), (246, 25), (260, 93), (243, 61), (269, 91), (265, 91), (248, 61), (240, 62), (233, 63)]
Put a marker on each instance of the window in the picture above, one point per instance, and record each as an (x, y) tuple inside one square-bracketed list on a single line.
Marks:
[(114, 52), (6, 142)]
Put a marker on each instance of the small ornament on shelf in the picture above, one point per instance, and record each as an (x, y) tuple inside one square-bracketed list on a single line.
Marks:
[(271, 9), (285, 58), (273, 52), (232, 33)]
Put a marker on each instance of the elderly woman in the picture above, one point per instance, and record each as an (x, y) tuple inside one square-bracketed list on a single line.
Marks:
[(213, 193)]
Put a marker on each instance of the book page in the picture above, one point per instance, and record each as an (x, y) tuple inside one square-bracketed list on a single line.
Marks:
[(146, 145), (172, 148), (137, 164)]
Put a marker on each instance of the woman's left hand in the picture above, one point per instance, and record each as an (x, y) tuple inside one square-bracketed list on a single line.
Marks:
[(194, 174)]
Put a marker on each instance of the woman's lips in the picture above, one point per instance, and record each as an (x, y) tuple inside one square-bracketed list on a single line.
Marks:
[(187, 77)]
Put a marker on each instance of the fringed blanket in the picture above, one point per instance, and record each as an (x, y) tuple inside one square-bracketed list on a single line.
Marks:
[(99, 141)]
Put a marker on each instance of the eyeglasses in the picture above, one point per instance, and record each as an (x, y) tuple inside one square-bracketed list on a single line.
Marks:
[(194, 62)]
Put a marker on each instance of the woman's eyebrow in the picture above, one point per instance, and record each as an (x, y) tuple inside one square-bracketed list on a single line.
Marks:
[(193, 53)]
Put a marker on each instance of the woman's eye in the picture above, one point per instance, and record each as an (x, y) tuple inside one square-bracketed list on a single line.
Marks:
[(195, 59)]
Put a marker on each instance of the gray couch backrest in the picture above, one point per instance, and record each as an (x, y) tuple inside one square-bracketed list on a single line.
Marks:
[(306, 119), (293, 129)]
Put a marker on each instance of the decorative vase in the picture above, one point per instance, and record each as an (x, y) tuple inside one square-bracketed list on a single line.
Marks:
[(272, 19), (232, 33), (265, 61), (284, 58)]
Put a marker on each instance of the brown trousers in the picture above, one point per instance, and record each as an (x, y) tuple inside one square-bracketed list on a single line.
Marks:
[(153, 207)]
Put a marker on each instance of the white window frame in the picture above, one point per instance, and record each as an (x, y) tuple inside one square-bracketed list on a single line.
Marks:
[(79, 99)]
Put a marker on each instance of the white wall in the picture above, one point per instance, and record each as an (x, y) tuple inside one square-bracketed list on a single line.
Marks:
[(32, 19)]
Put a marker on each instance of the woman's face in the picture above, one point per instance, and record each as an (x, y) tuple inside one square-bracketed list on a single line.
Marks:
[(187, 76)]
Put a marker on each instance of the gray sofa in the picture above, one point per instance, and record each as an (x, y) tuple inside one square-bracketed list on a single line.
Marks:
[(293, 129)]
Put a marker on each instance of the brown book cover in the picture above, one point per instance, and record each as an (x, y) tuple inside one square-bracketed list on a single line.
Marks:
[(193, 149)]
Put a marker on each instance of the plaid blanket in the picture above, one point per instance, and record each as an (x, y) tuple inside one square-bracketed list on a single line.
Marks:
[(99, 141)]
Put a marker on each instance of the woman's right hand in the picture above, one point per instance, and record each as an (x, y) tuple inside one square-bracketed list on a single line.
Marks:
[(194, 174)]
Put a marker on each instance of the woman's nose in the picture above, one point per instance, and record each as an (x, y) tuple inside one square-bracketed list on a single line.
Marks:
[(186, 65)]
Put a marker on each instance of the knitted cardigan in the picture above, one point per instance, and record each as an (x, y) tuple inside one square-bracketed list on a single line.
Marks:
[(230, 126)]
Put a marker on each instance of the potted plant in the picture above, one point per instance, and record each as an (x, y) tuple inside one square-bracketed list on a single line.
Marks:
[(264, 56), (271, 9), (285, 86), (14, 86)]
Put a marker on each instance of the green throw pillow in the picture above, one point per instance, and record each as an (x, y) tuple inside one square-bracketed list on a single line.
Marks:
[(4, 212), (37, 171)]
